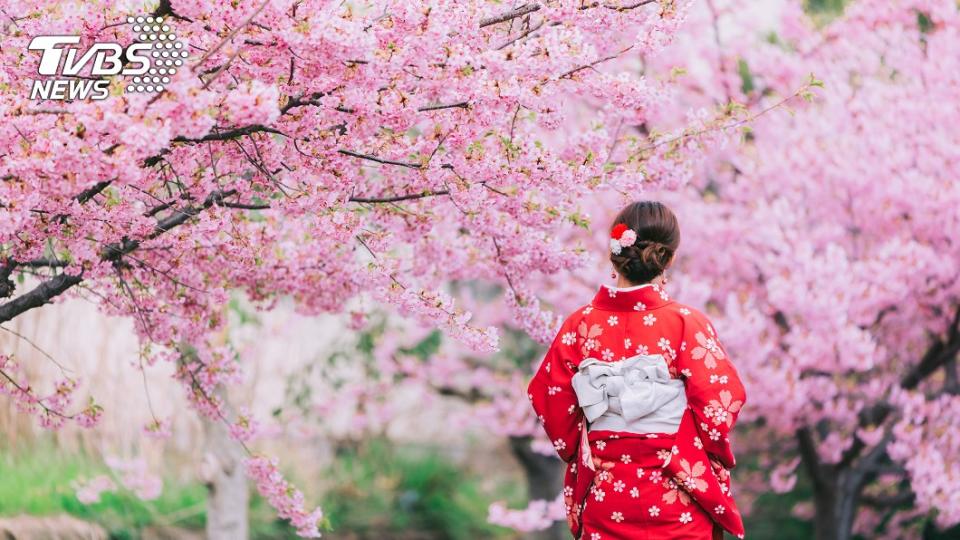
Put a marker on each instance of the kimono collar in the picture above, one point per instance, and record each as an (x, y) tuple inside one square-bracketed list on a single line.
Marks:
[(639, 298)]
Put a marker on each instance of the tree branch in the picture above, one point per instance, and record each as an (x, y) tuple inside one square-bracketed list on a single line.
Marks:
[(809, 456), (368, 157), (40, 295), (533, 6), (460, 105), (57, 285), (92, 191), (399, 198), (229, 36), (870, 416), (902, 498), (936, 356), (7, 286), (573, 71), (231, 134), (510, 15)]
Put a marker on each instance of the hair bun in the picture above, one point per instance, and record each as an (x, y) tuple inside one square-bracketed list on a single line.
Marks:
[(654, 255), (658, 237), (643, 261)]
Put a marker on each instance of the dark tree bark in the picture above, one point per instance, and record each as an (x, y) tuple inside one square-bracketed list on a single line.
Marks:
[(838, 487), (835, 503)]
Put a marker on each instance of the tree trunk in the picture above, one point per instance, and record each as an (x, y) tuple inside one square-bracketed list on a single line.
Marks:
[(836, 489), (544, 481), (227, 493), (835, 502)]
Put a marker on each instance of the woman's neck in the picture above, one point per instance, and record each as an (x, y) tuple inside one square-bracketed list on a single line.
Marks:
[(624, 283)]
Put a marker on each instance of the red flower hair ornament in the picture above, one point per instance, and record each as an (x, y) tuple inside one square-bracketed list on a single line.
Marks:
[(620, 237)]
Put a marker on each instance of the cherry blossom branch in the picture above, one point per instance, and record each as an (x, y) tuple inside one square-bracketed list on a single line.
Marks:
[(570, 73), (63, 369), (629, 6), (802, 91), (27, 394), (458, 105), (7, 285), (92, 191), (231, 134), (522, 35), (526, 9), (229, 36), (57, 285), (398, 198), (510, 15), (936, 356), (38, 296), (41, 263), (369, 157)]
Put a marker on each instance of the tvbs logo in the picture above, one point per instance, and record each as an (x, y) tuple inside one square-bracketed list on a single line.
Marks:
[(147, 65)]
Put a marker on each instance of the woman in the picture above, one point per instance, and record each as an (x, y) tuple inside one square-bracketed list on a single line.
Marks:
[(638, 397)]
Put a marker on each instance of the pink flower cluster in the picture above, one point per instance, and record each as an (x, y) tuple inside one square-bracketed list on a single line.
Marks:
[(89, 492), (133, 475), (245, 427), (460, 160), (51, 409), (283, 497), (824, 243), (538, 515)]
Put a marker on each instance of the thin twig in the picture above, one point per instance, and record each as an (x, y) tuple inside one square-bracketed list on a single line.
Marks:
[(232, 33), (509, 15), (63, 369)]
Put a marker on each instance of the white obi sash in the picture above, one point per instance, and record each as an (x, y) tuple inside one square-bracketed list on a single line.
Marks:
[(635, 394)]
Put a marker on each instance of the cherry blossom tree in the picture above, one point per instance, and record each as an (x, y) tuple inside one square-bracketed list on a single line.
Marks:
[(826, 247), (392, 370), (347, 155), (360, 155)]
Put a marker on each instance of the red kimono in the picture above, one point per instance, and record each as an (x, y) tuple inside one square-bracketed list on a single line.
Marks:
[(622, 485)]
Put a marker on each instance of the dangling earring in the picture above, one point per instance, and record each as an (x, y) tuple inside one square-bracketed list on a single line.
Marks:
[(663, 280), (613, 275)]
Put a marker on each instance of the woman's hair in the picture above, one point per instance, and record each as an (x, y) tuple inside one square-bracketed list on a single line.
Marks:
[(658, 236)]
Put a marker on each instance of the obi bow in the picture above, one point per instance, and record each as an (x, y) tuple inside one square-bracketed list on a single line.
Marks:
[(632, 388), (636, 394)]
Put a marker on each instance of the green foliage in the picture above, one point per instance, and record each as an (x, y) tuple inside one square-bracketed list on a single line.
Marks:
[(747, 84), (771, 516), (427, 347), (41, 481), (932, 533), (831, 8), (924, 23), (822, 12), (381, 490), (265, 525)]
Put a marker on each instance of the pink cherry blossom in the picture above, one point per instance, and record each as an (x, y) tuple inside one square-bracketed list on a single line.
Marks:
[(455, 164), (284, 498), (90, 491)]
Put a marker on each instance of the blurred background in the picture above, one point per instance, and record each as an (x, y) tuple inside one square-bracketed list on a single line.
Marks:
[(397, 433)]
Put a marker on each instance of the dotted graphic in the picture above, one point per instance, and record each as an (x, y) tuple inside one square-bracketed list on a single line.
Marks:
[(167, 56)]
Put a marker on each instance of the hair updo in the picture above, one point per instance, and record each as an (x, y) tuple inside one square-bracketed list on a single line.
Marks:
[(658, 237)]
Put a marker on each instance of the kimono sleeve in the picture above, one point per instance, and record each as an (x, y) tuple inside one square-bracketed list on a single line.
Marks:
[(551, 393), (715, 393)]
